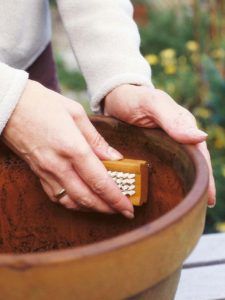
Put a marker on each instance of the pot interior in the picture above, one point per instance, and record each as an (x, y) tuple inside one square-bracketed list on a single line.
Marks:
[(29, 222)]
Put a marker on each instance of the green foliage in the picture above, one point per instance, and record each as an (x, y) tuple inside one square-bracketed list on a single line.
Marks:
[(166, 30), (216, 91)]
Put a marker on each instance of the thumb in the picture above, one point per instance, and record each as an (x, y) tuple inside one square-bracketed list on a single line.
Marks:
[(177, 121)]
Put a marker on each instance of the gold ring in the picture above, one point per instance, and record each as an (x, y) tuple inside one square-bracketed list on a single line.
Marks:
[(60, 194)]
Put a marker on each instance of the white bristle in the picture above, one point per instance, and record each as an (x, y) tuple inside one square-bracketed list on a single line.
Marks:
[(120, 175), (131, 187), (118, 181), (129, 181), (125, 182), (125, 187), (128, 193)]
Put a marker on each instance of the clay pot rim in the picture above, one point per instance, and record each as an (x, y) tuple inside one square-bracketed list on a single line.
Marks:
[(199, 190)]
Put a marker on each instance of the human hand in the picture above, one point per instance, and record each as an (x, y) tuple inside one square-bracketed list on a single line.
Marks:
[(146, 107), (55, 137)]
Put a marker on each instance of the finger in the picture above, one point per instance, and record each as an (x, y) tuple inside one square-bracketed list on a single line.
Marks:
[(94, 139), (68, 203), (65, 200), (177, 121), (212, 188), (51, 192), (81, 194), (94, 174), (78, 197)]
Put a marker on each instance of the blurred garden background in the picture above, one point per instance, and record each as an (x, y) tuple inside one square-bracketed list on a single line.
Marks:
[(184, 42)]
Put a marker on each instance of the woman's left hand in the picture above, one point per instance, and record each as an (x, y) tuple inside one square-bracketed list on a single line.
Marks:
[(147, 107)]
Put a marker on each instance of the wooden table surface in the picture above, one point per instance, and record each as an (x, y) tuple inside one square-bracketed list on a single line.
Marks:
[(203, 274)]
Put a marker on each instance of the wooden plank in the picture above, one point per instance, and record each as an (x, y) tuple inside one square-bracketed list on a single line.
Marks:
[(202, 283), (209, 251)]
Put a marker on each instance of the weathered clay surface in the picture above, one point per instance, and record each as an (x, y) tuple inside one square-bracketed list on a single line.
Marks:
[(31, 223)]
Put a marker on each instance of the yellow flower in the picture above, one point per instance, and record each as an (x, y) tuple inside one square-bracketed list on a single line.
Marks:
[(223, 170), (168, 60), (168, 53), (219, 137), (192, 46), (203, 112), (218, 53), (220, 227), (219, 144), (152, 59), (170, 69)]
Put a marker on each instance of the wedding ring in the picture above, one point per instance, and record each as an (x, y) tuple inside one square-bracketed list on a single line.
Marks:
[(60, 194)]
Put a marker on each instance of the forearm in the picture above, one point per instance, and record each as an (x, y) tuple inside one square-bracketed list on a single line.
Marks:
[(106, 42)]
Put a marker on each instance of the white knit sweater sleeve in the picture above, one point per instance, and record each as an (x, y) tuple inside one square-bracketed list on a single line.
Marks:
[(12, 84), (106, 43)]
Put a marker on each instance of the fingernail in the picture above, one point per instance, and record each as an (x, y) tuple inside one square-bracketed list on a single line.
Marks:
[(202, 133), (197, 132), (114, 154), (211, 205), (128, 214)]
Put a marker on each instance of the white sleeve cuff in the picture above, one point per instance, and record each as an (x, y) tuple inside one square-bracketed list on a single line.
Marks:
[(106, 43), (12, 84), (126, 78)]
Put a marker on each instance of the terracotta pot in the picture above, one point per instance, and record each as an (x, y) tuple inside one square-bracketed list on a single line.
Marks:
[(48, 252)]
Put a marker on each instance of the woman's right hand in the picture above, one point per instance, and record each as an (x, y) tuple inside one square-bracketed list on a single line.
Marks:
[(55, 137)]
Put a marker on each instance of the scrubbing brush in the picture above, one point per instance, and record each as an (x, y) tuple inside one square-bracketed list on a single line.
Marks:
[(131, 176)]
